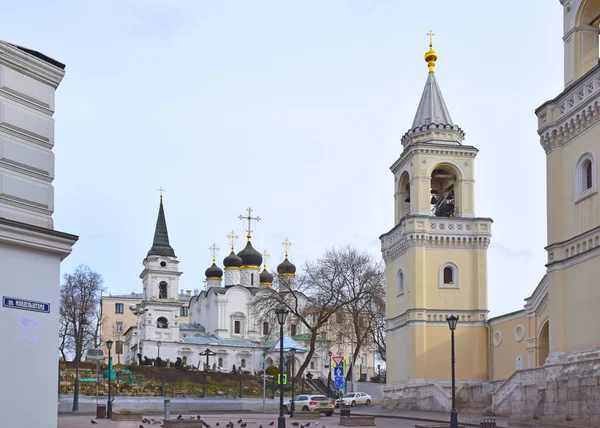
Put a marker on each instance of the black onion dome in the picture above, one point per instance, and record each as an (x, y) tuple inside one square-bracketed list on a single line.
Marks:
[(214, 272), (232, 260), (266, 277), (286, 268), (249, 256)]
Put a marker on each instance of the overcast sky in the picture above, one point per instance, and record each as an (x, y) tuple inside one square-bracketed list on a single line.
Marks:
[(293, 108)]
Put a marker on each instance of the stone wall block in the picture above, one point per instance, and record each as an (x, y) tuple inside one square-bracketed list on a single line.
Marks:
[(593, 407), (549, 409), (550, 395), (551, 385), (589, 381), (573, 394), (516, 407), (562, 394), (573, 383)]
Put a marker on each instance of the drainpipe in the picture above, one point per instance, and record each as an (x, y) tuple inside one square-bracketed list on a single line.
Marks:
[(487, 324)]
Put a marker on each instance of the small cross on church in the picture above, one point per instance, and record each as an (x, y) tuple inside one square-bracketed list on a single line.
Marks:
[(249, 218), (286, 245), (214, 249), (265, 257), (430, 34), (232, 237), (161, 190)]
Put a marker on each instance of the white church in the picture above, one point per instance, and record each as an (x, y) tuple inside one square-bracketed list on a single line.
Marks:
[(221, 317)]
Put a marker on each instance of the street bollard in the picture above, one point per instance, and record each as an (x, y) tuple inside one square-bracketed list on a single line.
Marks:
[(167, 409), (488, 423)]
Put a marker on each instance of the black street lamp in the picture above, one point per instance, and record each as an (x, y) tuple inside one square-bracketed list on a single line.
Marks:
[(452, 320), (162, 371), (378, 373), (109, 344), (78, 345), (281, 316), (292, 374), (329, 377)]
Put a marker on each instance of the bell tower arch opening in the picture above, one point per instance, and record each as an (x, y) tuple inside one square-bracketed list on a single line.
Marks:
[(582, 31), (403, 196), (444, 191)]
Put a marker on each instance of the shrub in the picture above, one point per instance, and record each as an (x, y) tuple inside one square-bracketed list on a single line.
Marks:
[(272, 371)]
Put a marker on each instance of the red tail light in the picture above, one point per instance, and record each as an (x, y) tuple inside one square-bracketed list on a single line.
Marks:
[(332, 403), (313, 403)]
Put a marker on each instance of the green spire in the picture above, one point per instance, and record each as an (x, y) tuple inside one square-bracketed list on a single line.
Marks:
[(161, 246)]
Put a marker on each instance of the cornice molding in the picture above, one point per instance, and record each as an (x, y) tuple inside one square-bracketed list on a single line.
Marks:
[(432, 149), (571, 113), (435, 233), (30, 65), (25, 235)]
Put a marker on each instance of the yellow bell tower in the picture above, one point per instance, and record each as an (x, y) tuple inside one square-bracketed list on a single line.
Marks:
[(436, 254)]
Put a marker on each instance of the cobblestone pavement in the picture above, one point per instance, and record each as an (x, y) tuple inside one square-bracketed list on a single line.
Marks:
[(253, 420)]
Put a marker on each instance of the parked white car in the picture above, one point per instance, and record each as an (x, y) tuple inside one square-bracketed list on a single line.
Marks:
[(354, 398), (313, 403)]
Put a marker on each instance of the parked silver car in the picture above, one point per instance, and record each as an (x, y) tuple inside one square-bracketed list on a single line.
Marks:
[(313, 403), (353, 398)]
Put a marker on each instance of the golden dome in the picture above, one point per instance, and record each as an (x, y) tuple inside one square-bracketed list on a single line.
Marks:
[(431, 56)]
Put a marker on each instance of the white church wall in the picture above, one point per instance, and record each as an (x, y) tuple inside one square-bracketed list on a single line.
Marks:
[(237, 302)]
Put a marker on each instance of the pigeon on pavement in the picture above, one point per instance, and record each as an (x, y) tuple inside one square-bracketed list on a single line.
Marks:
[(93, 422), (179, 418), (272, 423)]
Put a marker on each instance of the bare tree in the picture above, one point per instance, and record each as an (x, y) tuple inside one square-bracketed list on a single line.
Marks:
[(379, 326), (79, 311), (364, 281), (314, 296)]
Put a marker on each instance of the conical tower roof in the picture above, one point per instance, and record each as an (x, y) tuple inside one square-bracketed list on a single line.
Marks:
[(161, 246), (432, 120), (432, 108)]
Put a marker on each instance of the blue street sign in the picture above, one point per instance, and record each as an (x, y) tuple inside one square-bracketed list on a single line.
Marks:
[(26, 305), (338, 371), (339, 382)]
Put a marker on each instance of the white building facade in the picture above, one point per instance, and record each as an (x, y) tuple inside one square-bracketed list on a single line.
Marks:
[(222, 317), (30, 249)]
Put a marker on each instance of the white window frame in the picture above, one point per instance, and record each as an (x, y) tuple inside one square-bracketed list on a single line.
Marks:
[(455, 276), (580, 175), (400, 282)]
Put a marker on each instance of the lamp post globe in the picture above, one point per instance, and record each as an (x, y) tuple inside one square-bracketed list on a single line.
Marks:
[(452, 321), (109, 344), (281, 317)]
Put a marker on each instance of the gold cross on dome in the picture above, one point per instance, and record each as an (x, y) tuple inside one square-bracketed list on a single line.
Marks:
[(232, 237), (265, 257), (161, 190), (213, 251), (286, 245), (430, 34), (249, 218)]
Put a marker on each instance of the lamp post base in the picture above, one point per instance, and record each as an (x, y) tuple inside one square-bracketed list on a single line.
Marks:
[(109, 410), (453, 419), (281, 421)]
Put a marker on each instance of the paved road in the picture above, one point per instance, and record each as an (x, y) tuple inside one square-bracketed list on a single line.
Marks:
[(253, 421)]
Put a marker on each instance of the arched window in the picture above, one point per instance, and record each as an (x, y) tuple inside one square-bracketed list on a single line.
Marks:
[(265, 329), (220, 362), (587, 167), (585, 177), (162, 323), (251, 279), (237, 327), (243, 363), (399, 283), (184, 360), (293, 330), (449, 276), (162, 290)]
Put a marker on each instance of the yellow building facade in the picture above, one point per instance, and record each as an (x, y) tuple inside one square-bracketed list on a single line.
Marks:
[(436, 255), (539, 363)]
